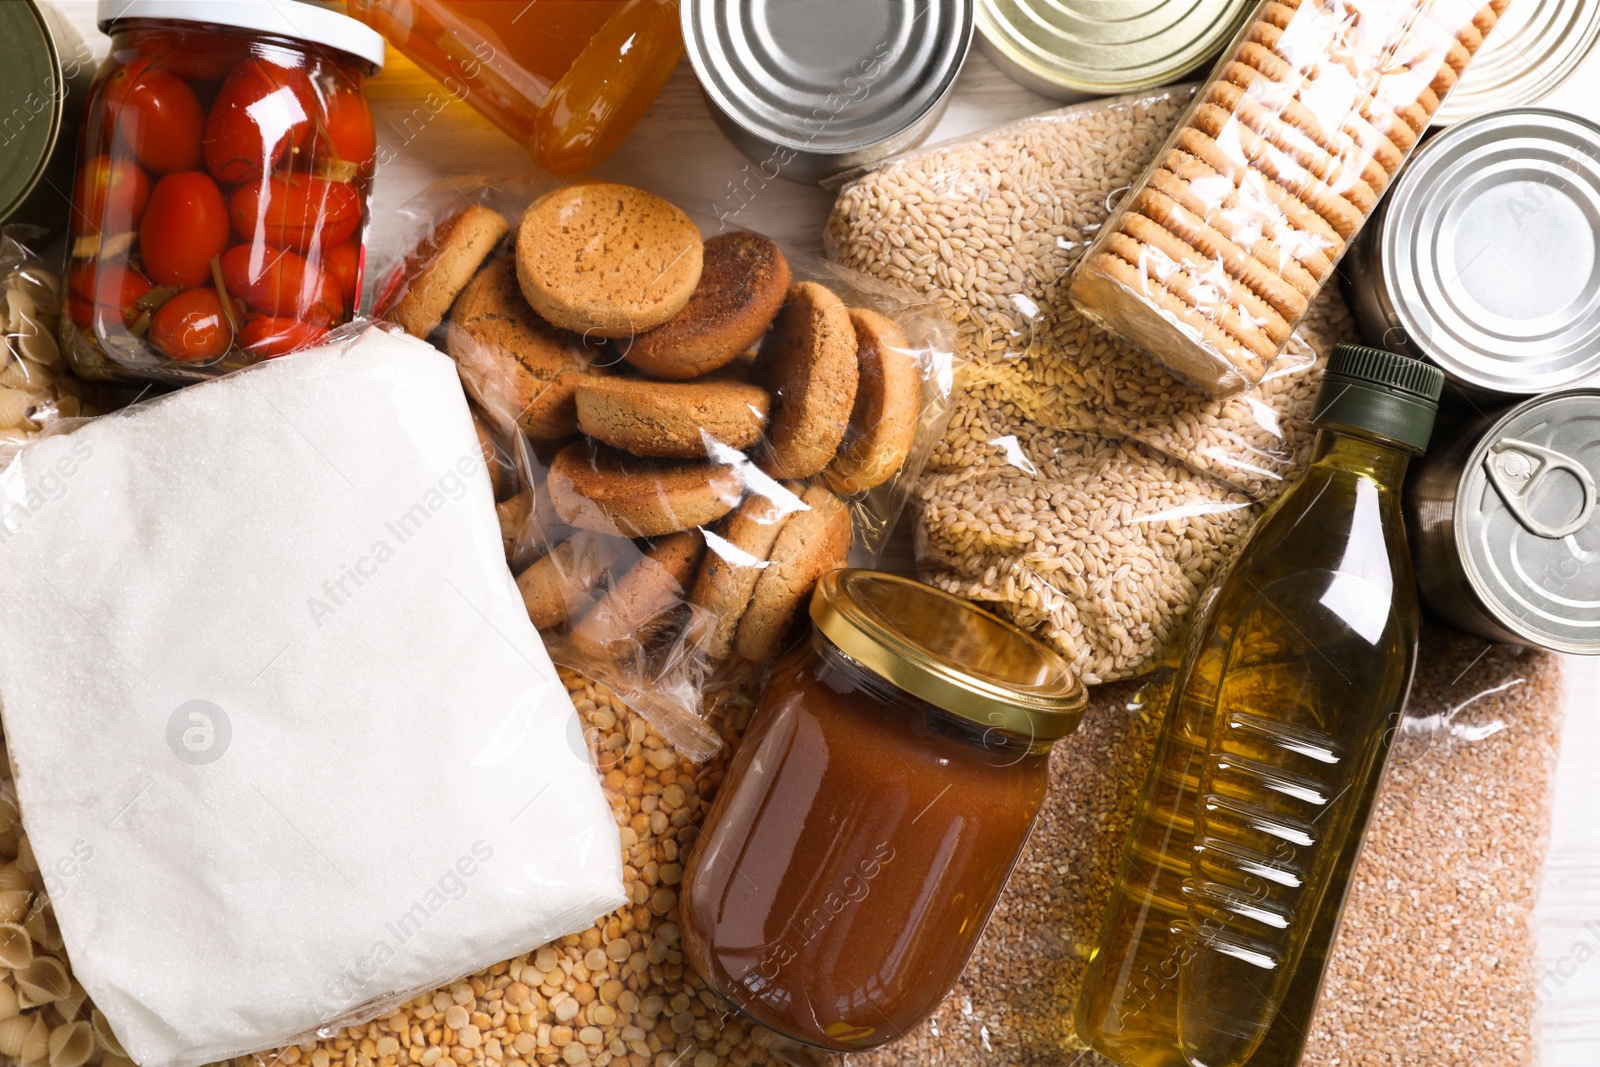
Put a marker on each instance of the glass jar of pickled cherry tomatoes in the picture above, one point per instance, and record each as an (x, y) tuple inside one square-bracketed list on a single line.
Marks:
[(221, 196)]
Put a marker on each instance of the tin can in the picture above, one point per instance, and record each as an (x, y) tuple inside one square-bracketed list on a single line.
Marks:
[(807, 88), (1073, 49), (45, 70), (1503, 523), (1534, 47), (1485, 255)]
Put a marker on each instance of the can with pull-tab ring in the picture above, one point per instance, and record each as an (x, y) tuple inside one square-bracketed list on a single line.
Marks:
[(1503, 520)]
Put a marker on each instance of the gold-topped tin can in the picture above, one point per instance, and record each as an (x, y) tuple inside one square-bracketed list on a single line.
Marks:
[(1072, 49), (1534, 47)]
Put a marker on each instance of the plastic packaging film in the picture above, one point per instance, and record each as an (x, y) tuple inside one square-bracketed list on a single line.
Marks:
[(1214, 256), (35, 387), (642, 542), (990, 230), (1441, 905)]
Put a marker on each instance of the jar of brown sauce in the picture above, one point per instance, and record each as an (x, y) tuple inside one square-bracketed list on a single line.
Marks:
[(874, 811)]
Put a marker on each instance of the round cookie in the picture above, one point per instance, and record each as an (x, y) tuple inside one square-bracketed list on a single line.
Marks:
[(441, 266), (883, 424), (559, 585), (600, 488), (511, 360), (812, 543), (742, 286), (607, 260), (808, 363), (671, 419), (639, 604), (735, 558)]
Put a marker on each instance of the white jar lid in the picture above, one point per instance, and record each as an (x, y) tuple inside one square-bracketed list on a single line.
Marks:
[(285, 18)]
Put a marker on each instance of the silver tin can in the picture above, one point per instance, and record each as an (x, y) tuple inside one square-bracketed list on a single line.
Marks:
[(1534, 47), (1485, 255), (807, 88), (1504, 526), (1074, 49)]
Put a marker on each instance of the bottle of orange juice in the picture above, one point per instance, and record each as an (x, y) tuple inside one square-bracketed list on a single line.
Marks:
[(567, 78)]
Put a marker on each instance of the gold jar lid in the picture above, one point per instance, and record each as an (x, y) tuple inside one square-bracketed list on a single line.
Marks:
[(950, 653)]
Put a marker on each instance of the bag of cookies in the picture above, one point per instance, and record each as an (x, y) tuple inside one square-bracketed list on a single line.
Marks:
[(689, 424), (1214, 256)]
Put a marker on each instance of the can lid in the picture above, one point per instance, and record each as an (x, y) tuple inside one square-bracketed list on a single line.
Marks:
[(1091, 46), (31, 69), (1393, 396), (1488, 251), (1526, 525), (1533, 48), (950, 653), (296, 19), (826, 76)]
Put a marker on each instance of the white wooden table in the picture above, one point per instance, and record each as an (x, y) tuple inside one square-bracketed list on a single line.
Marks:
[(679, 152)]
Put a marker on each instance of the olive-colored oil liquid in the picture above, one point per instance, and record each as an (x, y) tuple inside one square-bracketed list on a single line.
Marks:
[(1278, 721)]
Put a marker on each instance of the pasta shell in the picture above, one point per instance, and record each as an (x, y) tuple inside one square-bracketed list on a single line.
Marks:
[(16, 946), (52, 930), (14, 877), (25, 1038), (102, 1031), (8, 808), (38, 346), (69, 1005), (15, 904), (71, 1045), (15, 404), (34, 924), (42, 981), (25, 858), (14, 1034), (112, 1059), (36, 1043), (19, 375), (8, 1001)]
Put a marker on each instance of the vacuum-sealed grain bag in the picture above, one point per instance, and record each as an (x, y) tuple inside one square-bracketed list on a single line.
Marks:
[(1079, 488), (1215, 255), (693, 423)]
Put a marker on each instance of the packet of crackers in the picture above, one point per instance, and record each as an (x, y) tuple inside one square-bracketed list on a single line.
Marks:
[(688, 424), (1213, 257)]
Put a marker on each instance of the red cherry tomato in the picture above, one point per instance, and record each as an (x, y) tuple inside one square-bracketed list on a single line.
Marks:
[(191, 326), (267, 336), (110, 285), (281, 283), (343, 264), (109, 195), (350, 138), (184, 228), (156, 115), (261, 111), (296, 211)]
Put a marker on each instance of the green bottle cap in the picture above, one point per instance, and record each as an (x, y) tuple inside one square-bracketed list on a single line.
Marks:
[(1378, 392)]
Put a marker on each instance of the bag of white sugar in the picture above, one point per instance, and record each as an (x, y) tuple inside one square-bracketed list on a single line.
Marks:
[(269, 686)]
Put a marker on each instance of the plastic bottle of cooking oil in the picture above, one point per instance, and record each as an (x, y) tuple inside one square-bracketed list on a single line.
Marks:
[(1278, 721)]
